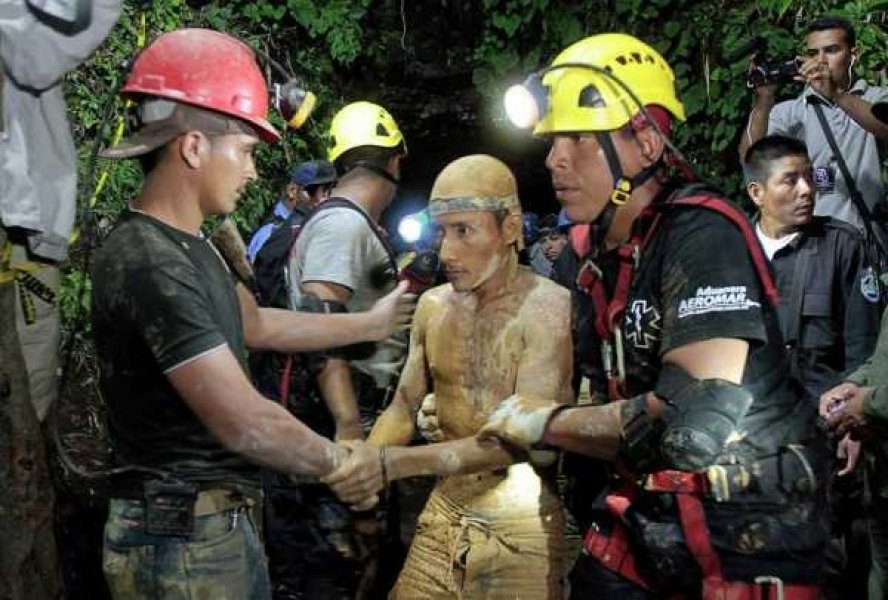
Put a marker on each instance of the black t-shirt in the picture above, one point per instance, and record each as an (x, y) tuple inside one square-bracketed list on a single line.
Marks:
[(696, 281), (161, 298)]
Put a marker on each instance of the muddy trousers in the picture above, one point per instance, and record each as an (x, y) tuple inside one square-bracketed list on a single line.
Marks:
[(457, 554), (222, 559)]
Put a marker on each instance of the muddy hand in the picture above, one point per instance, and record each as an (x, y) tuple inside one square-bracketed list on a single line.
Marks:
[(518, 422), (357, 480), (427, 420)]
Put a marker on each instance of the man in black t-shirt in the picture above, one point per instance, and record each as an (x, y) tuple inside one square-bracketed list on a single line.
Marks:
[(718, 456), (172, 326)]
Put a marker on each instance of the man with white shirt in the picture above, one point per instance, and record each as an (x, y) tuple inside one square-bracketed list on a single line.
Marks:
[(829, 309), (830, 53)]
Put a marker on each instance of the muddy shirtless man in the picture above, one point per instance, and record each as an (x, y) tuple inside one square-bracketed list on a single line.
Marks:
[(493, 526)]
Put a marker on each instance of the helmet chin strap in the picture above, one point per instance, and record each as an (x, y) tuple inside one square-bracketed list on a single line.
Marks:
[(623, 186), (377, 170)]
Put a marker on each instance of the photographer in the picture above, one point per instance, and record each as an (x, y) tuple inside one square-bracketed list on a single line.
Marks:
[(831, 52)]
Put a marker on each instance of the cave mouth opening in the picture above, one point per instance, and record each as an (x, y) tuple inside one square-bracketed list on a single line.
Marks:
[(443, 140)]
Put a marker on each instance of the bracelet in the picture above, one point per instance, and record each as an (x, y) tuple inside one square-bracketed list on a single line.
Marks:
[(385, 479)]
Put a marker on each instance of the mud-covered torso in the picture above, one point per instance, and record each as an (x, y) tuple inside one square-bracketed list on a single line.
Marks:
[(473, 356)]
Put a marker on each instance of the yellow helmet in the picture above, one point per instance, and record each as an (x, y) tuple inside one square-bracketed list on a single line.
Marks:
[(585, 99), (362, 124)]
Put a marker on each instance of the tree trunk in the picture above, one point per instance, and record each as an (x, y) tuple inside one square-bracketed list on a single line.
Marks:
[(28, 565)]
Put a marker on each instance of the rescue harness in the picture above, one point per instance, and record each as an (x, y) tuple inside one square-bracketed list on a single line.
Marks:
[(689, 488)]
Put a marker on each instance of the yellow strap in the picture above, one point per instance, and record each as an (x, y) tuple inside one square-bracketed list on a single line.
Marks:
[(11, 273), (7, 275), (141, 36), (29, 312), (27, 267)]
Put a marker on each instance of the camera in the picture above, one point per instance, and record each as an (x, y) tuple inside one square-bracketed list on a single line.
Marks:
[(766, 72)]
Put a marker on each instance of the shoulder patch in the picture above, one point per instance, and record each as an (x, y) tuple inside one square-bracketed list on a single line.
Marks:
[(869, 286)]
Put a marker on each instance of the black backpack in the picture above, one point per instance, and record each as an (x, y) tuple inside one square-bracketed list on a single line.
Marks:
[(285, 377), (269, 266)]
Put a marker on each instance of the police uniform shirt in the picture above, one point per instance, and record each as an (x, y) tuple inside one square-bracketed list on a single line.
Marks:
[(837, 306)]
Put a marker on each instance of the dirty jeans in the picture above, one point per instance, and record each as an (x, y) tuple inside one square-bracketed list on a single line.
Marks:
[(457, 553), (222, 560)]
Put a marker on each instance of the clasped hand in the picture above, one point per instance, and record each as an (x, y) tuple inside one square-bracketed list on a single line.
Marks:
[(359, 477), (842, 408)]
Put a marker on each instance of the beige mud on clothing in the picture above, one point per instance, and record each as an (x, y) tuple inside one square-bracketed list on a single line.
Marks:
[(487, 536)]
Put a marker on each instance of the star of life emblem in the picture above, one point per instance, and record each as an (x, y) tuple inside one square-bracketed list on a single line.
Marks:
[(642, 325)]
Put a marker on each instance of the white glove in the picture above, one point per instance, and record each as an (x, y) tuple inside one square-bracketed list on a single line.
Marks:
[(518, 422)]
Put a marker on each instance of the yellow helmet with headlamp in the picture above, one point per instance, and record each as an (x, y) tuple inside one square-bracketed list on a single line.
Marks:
[(596, 84)]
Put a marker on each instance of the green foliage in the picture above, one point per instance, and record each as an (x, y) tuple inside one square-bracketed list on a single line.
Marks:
[(334, 43), (694, 36), (73, 300)]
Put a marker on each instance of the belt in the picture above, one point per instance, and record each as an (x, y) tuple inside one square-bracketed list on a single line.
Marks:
[(779, 478), (210, 502), (765, 587)]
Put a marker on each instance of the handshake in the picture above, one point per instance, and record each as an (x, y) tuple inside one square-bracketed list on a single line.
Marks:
[(362, 470), (360, 474)]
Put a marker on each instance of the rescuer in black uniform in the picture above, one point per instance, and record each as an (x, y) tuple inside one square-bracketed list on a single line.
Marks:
[(719, 458)]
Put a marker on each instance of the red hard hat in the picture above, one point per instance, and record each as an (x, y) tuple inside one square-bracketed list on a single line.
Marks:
[(207, 69)]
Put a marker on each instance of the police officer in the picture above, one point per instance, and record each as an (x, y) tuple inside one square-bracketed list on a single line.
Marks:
[(717, 451), (829, 312), (829, 309)]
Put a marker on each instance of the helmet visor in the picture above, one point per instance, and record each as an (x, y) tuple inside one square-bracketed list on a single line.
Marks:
[(162, 121)]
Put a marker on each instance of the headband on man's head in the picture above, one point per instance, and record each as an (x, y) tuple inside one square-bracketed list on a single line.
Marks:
[(442, 206)]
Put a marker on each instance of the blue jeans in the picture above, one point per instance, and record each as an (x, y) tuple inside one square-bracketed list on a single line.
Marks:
[(222, 559)]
